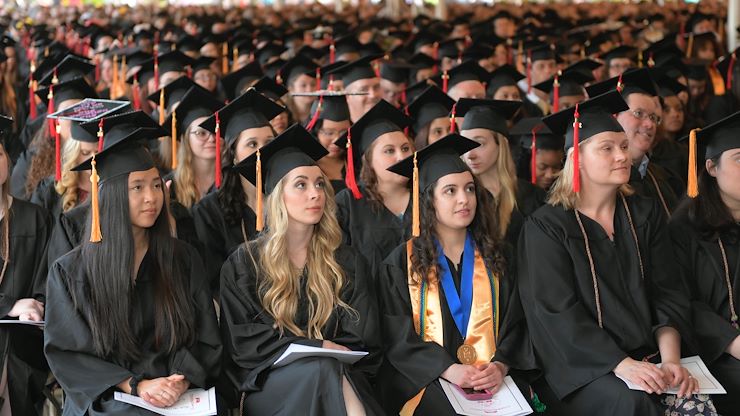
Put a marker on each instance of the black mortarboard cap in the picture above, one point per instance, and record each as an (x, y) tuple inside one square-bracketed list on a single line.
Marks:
[(466, 71), (431, 104), (73, 89), (194, 104), (173, 92), (236, 82), (632, 81), (395, 71), (356, 70), (296, 66), (544, 137), (204, 62), (270, 89), (381, 119), (249, 110), (88, 110), (69, 68), (173, 61), (486, 114), (571, 83), (333, 107), (268, 51), (622, 51), (503, 76)]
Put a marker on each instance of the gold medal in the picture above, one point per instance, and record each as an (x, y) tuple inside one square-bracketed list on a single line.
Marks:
[(467, 354)]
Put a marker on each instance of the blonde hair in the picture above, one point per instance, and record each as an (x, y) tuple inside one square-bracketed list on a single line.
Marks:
[(67, 186), (280, 285), (506, 174), (562, 194), (186, 191)]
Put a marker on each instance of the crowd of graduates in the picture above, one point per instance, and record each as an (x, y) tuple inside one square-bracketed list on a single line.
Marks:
[(547, 192)]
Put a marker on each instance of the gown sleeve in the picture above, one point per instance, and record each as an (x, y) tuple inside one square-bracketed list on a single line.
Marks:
[(572, 348), (401, 341), (343, 215), (68, 346), (210, 237), (200, 363), (251, 342)]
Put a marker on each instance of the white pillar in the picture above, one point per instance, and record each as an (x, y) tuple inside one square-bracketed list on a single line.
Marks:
[(440, 11), (733, 19)]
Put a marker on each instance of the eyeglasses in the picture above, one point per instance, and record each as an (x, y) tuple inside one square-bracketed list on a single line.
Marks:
[(331, 132), (201, 134), (642, 115)]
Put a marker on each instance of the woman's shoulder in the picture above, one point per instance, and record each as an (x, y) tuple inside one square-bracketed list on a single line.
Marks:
[(208, 203), (31, 216)]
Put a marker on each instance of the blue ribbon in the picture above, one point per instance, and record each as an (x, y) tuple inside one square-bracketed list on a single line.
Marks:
[(459, 304)]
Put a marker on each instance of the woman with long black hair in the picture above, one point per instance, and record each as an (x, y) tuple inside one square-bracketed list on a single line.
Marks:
[(424, 284), (297, 284), (706, 239), (129, 310)]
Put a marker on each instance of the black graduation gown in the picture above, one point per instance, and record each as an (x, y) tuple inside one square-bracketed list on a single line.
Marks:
[(88, 380), (183, 218), (20, 173), (25, 277), (557, 292), (252, 343), (673, 157), (412, 363), (338, 185), (670, 186), (68, 231), (528, 198), (701, 265), (218, 238), (47, 197), (372, 230)]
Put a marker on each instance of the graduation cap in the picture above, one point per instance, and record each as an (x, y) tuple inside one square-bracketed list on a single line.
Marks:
[(265, 53), (564, 84), (86, 110), (428, 165), (395, 71), (204, 62), (69, 68), (5, 123), (237, 81), (421, 60), (189, 44), (123, 156), (249, 110), (667, 86), (327, 80), (173, 61), (622, 51), (346, 44), (632, 81), (697, 70), (449, 48), (196, 103), (270, 89), (486, 114), (265, 168), (381, 119), (328, 107), (171, 94), (585, 120), (412, 92), (467, 71), (503, 76), (533, 134), (709, 143), (272, 68), (431, 104), (115, 126), (544, 52), (726, 68), (356, 70), (295, 67)]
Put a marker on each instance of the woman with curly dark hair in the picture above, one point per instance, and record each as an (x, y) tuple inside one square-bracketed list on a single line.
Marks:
[(449, 305), (225, 218)]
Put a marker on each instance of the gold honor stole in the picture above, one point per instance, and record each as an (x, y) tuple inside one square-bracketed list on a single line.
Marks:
[(427, 314)]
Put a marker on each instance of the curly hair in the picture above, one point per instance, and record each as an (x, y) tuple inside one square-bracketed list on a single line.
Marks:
[(42, 162), (485, 230), (67, 187)]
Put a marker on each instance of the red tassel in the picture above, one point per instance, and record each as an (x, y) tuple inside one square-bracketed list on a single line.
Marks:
[(730, 71), (529, 72), (190, 72), (318, 79), (459, 57), (576, 169), (316, 114), (453, 123), (97, 69), (218, 151), (445, 78), (435, 55), (556, 94), (376, 68), (278, 78), (332, 52), (350, 180), (50, 109), (509, 53), (533, 162), (404, 99), (136, 92), (57, 153), (32, 98), (620, 85), (100, 135)]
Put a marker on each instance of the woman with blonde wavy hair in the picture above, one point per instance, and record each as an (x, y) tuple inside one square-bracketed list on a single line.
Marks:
[(297, 284), (597, 264), (486, 122)]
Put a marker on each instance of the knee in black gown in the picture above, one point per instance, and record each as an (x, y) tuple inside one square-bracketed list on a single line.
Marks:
[(727, 371)]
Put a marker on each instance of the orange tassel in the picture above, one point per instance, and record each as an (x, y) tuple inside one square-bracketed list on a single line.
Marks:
[(161, 106), (234, 58), (415, 223), (350, 179), (576, 169), (218, 151), (690, 45), (692, 189), (258, 205), (114, 82), (100, 135), (225, 58), (639, 58), (174, 140), (718, 83), (730, 71), (95, 235), (32, 98)]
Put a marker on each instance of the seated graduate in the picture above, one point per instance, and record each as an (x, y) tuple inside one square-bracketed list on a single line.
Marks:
[(430, 111), (375, 217), (541, 159), (596, 264), (24, 234), (69, 226), (329, 121), (225, 218), (297, 283), (129, 309), (706, 238), (449, 302)]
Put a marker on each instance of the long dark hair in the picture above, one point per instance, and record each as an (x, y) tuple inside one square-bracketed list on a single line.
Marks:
[(109, 267), (231, 196), (708, 213), (484, 228)]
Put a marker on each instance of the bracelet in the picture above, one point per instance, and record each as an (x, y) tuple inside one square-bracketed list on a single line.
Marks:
[(134, 384)]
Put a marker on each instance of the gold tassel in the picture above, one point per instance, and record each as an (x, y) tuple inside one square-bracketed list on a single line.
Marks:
[(690, 45), (114, 81), (258, 205), (235, 57), (225, 58), (95, 234), (639, 58), (415, 226), (174, 140), (122, 78), (692, 189), (161, 106)]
